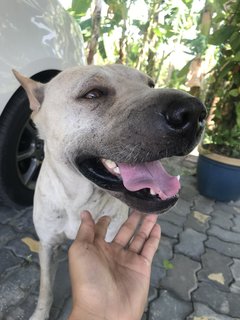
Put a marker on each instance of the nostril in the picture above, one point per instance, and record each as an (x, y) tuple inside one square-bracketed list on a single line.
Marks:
[(202, 116), (185, 114), (178, 118)]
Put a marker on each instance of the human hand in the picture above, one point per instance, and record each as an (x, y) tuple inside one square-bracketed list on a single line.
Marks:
[(111, 280)]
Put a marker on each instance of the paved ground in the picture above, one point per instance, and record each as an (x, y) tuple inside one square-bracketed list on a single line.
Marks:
[(195, 274)]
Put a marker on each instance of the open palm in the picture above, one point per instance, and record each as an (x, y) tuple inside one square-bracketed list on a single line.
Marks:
[(111, 280)]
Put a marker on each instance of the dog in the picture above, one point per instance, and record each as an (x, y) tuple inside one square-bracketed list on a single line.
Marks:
[(105, 128)]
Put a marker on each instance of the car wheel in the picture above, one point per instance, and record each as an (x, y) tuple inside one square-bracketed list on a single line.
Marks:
[(21, 151)]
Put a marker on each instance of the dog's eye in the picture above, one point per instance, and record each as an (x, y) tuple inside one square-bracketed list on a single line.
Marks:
[(93, 94)]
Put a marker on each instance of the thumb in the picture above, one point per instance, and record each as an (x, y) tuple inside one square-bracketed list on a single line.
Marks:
[(86, 231)]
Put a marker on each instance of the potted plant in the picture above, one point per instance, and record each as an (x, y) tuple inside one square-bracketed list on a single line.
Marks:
[(218, 167)]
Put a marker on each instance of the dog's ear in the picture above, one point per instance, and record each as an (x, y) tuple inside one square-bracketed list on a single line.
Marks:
[(34, 90)]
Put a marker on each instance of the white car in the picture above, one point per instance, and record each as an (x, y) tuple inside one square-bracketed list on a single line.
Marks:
[(39, 39)]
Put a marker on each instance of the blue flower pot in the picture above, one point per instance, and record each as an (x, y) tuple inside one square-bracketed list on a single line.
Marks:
[(218, 180)]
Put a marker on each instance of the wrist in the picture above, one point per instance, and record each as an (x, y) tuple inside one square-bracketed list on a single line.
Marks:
[(79, 313)]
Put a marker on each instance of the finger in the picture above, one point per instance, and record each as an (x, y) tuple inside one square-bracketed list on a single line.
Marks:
[(102, 226), (127, 230), (151, 245), (86, 230), (143, 233)]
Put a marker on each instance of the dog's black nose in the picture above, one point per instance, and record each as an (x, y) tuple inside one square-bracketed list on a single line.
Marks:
[(185, 114)]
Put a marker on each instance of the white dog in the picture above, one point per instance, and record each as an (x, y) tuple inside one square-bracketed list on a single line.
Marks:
[(104, 130)]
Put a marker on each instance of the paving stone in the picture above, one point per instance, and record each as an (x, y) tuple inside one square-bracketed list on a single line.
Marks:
[(152, 295), (182, 207), (235, 287), (157, 275), (220, 301), (197, 221), (7, 261), (10, 295), (190, 165), (222, 221), (235, 268), (224, 235), (168, 307), (236, 203), (66, 310), (173, 218), (226, 208), (236, 209), (7, 214), (170, 230), (164, 252), (216, 270), (223, 212), (24, 222), (203, 204), (144, 317), (203, 312), (24, 310), (236, 223), (21, 250), (189, 180), (227, 248), (25, 277), (62, 286), (191, 243), (182, 278), (188, 193), (6, 234), (16, 286)]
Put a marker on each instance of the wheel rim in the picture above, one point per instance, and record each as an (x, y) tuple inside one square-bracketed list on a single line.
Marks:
[(30, 154)]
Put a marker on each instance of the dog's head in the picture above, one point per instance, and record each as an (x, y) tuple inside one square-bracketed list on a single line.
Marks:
[(113, 126)]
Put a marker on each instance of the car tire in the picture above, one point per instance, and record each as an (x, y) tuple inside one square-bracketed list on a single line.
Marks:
[(21, 151)]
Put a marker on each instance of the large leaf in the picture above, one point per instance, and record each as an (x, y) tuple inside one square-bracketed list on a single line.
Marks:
[(80, 7), (86, 24), (235, 43), (184, 71), (222, 35), (141, 25), (118, 8), (225, 69), (101, 49), (237, 57), (234, 92)]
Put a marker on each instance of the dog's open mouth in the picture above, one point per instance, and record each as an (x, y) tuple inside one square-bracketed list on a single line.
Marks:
[(148, 182)]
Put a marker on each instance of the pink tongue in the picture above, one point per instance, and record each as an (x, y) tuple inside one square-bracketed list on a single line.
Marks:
[(150, 175)]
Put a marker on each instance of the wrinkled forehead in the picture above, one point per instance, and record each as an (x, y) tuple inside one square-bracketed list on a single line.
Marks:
[(110, 75)]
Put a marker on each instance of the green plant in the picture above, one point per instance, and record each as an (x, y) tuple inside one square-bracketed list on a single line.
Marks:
[(167, 264), (223, 96)]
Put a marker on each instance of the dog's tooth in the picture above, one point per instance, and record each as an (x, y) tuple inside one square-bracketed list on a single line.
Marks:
[(116, 170), (178, 177), (110, 164), (152, 192)]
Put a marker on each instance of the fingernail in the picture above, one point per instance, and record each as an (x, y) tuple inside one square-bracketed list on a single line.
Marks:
[(83, 215), (107, 218)]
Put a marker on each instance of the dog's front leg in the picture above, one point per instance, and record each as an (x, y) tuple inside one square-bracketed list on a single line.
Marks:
[(48, 268)]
